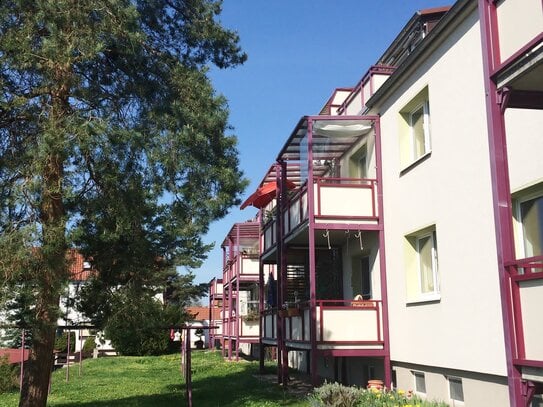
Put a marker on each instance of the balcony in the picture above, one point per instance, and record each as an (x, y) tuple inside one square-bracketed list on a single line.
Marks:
[(341, 325), (527, 291), (512, 14), (518, 54), (247, 330), (349, 201)]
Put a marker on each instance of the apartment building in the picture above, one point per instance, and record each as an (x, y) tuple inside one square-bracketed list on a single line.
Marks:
[(240, 299), (215, 312), (405, 220)]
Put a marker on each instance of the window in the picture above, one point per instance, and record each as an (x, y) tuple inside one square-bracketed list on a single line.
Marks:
[(420, 134), (530, 220), (361, 277), (427, 259), (358, 167), (421, 261), (456, 390), (415, 129), (420, 382)]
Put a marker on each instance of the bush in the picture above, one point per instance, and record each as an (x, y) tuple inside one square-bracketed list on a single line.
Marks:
[(89, 346), (136, 328), (8, 375), (61, 342), (336, 395)]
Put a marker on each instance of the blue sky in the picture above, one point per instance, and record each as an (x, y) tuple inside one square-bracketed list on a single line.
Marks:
[(299, 52)]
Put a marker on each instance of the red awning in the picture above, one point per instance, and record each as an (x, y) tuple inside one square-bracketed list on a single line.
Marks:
[(264, 195)]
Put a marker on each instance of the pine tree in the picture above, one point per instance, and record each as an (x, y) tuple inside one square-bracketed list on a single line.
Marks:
[(111, 138)]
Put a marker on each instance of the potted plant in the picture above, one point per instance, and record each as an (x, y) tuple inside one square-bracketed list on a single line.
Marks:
[(292, 309), (252, 315)]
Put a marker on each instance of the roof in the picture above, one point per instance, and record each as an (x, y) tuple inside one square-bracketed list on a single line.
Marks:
[(199, 313), (439, 33), (14, 355), (80, 269)]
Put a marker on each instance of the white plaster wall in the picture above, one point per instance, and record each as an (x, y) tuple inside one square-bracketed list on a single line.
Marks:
[(524, 129), (531, 293), (297, 360), (479, 390), (451, 190), (519, 21), (355, 105), (350, 250), (249, 266)]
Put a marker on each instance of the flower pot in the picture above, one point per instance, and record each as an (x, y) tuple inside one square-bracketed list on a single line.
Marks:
[(375, 384), (293, 312)]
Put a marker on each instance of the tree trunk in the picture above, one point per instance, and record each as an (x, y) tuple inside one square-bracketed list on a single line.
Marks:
[(52, 254), (37, 372)]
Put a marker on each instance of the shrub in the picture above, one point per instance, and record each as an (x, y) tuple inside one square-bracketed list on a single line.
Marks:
[(61, 342), (136, 328), (334, 395), (89, 345), (8, 375)]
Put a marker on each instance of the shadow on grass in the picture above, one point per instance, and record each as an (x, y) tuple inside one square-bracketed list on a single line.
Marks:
[(242, 388)]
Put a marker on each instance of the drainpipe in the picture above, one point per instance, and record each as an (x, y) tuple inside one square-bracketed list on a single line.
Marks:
[(281, 228), (501, 190), (280, 283), (312, 260), (382, 252), (261, 353)]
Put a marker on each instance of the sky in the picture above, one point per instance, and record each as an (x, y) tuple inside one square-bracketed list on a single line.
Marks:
[(299, 51)]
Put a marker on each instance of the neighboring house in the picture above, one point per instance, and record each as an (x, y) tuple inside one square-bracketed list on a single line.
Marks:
[(80, 271), (200, 319), (405, 221), (215, 313), (240, 290)]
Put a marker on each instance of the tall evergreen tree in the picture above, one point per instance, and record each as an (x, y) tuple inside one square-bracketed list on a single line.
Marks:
[(111, 136)]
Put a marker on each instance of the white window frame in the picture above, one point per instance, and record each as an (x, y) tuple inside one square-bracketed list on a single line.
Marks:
[(457, 379), (435, 272), (425, 106), (520, 226), (416, 374)]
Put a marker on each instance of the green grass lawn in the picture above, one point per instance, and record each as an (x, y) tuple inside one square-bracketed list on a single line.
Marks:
[(157, 381)]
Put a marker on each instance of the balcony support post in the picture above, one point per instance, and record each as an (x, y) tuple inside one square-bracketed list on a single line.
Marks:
[(501, 191), (312, 259), (382, 253), (261, 352)]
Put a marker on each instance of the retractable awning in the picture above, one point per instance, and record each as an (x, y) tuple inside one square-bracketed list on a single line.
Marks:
[(264, 194)]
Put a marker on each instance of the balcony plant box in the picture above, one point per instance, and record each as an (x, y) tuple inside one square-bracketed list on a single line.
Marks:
[(293, 312)]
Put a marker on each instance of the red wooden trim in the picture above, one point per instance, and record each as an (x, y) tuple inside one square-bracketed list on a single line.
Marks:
[(353, 352), (354, 217), (518, 325), (538, 39), (361, 343), (528, 362), (527, 277)]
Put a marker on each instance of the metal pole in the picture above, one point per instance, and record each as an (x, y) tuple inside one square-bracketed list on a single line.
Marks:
[(80, 353), (68, 358), (22, 361)]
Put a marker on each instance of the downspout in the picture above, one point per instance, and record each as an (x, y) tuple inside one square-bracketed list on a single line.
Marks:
[(312, 259), (280, 281), (237, 273), (501, 191), (281, 227), (382, 252), (261, 353), (225, 307)]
